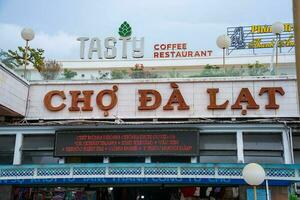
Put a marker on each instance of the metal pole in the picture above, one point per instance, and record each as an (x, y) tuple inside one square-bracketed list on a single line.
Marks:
[(25, 58), (254, 192), (267, 189), (223, 58), (276, 62), (296, 11)]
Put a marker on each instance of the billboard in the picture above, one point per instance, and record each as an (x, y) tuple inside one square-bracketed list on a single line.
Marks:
[(127, 142), (259, 37)]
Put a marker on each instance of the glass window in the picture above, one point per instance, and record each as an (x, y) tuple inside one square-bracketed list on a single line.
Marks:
[(218, 148), (296, 146), (170, 159), (38, 149), (38, 142), (38, 157), (84, 159), (263, 147), (126, 159), (7, 146)]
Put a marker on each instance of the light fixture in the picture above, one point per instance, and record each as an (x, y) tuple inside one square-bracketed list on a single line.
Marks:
[(28, 35), (223, 42), (277, 29), (254, 175)]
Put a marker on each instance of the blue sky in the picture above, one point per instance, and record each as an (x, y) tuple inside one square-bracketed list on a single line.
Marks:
[(57, 23)]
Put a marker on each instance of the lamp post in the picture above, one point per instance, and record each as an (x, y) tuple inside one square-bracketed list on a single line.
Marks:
[(223, 42), (277, 29), (254, 175), (28, 35)]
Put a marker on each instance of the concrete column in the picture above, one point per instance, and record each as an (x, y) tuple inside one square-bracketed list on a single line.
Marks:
[(194, 159), (18, 151), (106, 160), (148, 159), (61, 161), (240, 146), (286, 148), (296, 11)]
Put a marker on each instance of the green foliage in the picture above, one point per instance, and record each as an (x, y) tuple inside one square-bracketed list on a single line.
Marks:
[(125, 30), (69, 74), (293, 197), (6, 59), (102, 75), (49, 70), (174, 74), (215, 71), (257, 69), (119, 74), (139, 72), (34, 56)]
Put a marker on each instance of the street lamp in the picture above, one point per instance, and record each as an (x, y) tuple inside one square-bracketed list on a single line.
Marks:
[(254, 175), (28, 35), (277, 29), (223, 42)]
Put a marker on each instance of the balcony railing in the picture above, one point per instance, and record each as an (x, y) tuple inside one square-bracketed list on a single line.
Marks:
[(142, 173)]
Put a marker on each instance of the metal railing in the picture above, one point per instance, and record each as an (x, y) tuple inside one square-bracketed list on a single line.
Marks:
[(277, 174)]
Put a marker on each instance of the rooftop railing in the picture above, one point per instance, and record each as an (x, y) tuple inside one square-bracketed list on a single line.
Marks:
[(141, 72)]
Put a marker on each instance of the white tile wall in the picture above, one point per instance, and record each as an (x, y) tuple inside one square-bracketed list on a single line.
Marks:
[(13, 92)]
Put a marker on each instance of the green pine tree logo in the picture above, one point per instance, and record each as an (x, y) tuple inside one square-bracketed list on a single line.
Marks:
[(125, 30)]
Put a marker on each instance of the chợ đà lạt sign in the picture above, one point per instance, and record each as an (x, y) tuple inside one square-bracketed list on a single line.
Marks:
[(160, 99), (127, 142)]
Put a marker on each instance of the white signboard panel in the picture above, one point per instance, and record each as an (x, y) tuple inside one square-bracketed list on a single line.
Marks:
[(193, 98)]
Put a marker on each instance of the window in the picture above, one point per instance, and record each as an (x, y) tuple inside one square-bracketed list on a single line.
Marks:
[(170, 159), (126, 159), (296, 145), (263, 147), (218, 148), (7, 146), (84, 159), (38, 149)]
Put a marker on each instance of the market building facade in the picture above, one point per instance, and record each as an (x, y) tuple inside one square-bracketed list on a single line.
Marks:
[(181, 125), (147, 139)]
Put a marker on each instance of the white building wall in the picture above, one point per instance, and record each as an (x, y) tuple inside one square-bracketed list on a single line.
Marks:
[(13, 91)]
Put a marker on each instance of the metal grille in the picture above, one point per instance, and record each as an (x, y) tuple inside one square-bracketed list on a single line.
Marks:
[(19, 172), (124, 170), (53, 171), (161, 171), (230, 171), (197, 171), (89, 171), (271, 172)]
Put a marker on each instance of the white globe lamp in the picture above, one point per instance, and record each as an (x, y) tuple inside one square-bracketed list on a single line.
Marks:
[(223, 42), (277, 28), (27, 34), (254, 175)]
